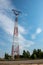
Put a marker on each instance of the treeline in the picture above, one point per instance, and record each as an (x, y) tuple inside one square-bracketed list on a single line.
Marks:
[(36, 54)]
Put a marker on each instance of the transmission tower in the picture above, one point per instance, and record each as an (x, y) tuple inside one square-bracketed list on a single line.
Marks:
[(15, 45)]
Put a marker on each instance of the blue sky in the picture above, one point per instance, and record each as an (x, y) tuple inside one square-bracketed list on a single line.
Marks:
[(30, 25)]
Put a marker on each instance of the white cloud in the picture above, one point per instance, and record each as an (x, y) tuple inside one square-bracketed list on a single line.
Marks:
[(21, 30), (5, 4), (6, 7), (6, 24), (38, 31)]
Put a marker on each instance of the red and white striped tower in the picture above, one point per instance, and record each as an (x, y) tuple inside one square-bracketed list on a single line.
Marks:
[(15, 45)]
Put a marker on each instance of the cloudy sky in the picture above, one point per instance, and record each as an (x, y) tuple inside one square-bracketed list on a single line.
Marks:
[(30, 25)]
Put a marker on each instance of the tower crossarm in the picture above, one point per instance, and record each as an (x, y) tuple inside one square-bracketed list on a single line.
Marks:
[(16, 12)]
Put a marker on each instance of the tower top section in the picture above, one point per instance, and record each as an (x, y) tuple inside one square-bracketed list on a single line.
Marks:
[(16, 12)]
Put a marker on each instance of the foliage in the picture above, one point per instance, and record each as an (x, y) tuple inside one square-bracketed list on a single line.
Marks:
[(37, 54), (7, 57), (26, 54)]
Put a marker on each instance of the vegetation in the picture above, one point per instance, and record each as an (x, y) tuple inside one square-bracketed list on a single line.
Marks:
[(26, 54), (37, 54), (7, 57)]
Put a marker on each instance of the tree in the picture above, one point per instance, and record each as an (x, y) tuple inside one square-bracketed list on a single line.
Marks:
[(26, 54), (39, 52), (34, 51), (8, 57), (21, 56), (34, 54)]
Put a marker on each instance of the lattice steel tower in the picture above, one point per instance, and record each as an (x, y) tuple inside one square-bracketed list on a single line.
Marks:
[(15, 45)]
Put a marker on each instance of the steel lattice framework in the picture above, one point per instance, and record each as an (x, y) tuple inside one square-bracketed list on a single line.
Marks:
[(15, 45)]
